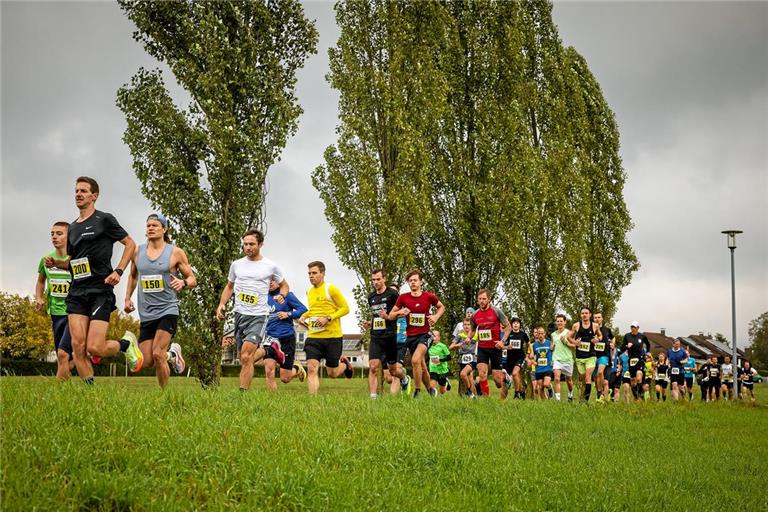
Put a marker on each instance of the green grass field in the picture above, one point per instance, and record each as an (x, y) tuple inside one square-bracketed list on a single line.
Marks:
[(125, 445)]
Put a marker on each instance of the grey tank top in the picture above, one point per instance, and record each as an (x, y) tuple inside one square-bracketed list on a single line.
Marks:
[(156, 297)]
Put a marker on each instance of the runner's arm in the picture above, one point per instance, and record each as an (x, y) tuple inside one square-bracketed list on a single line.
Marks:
[(62, 264), (128, 250), (39, 288), (439, 310), (226, 294), (189, 280), (297, 307), (284, 289), (340, 302), (133, 279), (570, 336)]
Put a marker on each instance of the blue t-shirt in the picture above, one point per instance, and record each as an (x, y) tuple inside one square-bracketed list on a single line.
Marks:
[(690, 367), (402, 323), (542, 351), (676, 358), (624, 360), (283, 328)]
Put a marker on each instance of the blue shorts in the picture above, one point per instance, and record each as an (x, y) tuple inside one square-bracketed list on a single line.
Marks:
[(61, 337), (602, 360)]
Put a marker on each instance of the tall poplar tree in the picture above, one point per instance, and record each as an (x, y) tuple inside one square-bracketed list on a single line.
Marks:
[(205, 166)]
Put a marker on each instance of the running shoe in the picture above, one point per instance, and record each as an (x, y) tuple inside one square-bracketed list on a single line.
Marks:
[(133, 356), (301, 373), (348, 372), (178, 362), (447, 385), (507, 380), (432, 392), (95, 359), (417, 393), (279, 354), (405, 385)]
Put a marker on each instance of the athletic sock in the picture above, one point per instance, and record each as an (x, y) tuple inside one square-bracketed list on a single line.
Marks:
[(599, 394), (635, 392), (89, 380), (557, 396), (170, 356), (374, 396), (570, 394), (484, 389), (348, 372), (587, 391), (664, 398), (124, 344), (658, 396)]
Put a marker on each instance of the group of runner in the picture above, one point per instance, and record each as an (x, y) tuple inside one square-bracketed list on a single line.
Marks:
[(76, 285)]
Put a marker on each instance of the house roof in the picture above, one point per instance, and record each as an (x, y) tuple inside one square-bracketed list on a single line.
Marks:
[(714, 346), (696, 349)]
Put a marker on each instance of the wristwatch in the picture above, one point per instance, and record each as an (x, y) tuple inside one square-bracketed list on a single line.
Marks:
[(119, 271)]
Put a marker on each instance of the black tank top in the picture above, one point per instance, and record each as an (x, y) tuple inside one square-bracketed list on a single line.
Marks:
[(584, 336)]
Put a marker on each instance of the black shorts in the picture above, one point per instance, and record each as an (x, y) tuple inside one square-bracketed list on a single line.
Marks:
[(514, 361), (412, 342), (473, 364), (729, 384), (61, 338), (748, 385), (678, 378), (613, 380), (167, 323), (492, 355), (689, 382), (542, 375), (662, 383), (324, 348), (637, 367), (288, 346), (96, 305), (714, 384), (384, 349), (626, 380), (441, 378), (648, 381), (401, 351)]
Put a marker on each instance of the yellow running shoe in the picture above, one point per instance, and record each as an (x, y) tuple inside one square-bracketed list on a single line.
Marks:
[(133, 356), (301, 373)]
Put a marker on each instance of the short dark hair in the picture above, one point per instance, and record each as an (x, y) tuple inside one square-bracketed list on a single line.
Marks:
[(255, 233), (582, 308), (414, 272), (560, 315), (379, 271), (539, 326), (318, 264), (597, 312), (89, 181), (61, 223)]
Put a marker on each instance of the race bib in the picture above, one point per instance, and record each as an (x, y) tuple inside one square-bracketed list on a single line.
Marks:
[(312, 325), (81, 268), (633, 361), (599, 347), (542, 361), (675, 371), (58, 287), (626, 374), (247, 298), (152, 283), (661, 377), (484, 335), (434, 360), (416, 319), (516, 344), (379, 324), (714, 372), (467, 358), (584, 346)]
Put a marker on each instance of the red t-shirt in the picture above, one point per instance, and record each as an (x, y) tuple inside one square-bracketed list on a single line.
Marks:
[(419, 307), (488, 325)]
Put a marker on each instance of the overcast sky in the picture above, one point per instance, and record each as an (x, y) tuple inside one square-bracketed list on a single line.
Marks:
[(688, 83)]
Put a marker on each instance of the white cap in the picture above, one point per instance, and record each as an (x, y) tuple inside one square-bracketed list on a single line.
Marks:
[(635, 323)]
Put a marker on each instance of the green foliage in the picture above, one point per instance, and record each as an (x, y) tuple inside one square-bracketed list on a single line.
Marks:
[(25, 333), (204, 167), (474, 146), (758, 337), (135, 447)]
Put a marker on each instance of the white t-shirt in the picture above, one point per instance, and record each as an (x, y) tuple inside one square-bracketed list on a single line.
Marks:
[(251, 280)]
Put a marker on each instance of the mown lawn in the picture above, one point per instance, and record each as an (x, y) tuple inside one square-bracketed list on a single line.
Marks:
[(125, 445)]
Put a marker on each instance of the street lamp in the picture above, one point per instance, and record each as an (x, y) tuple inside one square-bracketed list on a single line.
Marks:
[(731, 234)]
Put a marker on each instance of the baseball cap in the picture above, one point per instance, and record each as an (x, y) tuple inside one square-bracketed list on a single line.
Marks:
[(160, 218), (635, 323), (470, 310)]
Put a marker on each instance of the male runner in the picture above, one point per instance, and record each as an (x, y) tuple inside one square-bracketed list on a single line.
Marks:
[(55, 283), (91, 298), (747, 380), (603, 356), (516, 350), (542, 351), (383, 334), (713, 392), (562, 356), (156, 265), (677, 358), (584, 334), (248, 280), (416, 306), (635, 345), (280, 328), (493, 329), (726, 386), (323, 320)]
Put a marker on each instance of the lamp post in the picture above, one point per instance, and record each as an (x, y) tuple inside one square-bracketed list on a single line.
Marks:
[(731, 234)]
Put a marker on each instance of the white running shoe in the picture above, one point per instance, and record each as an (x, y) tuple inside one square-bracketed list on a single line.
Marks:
[(178, 362)]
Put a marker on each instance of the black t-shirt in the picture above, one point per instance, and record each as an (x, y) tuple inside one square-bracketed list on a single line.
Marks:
[(517, 345), (637, 342), (382, 301), (89, 244), (604, 344), (584, 341)]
